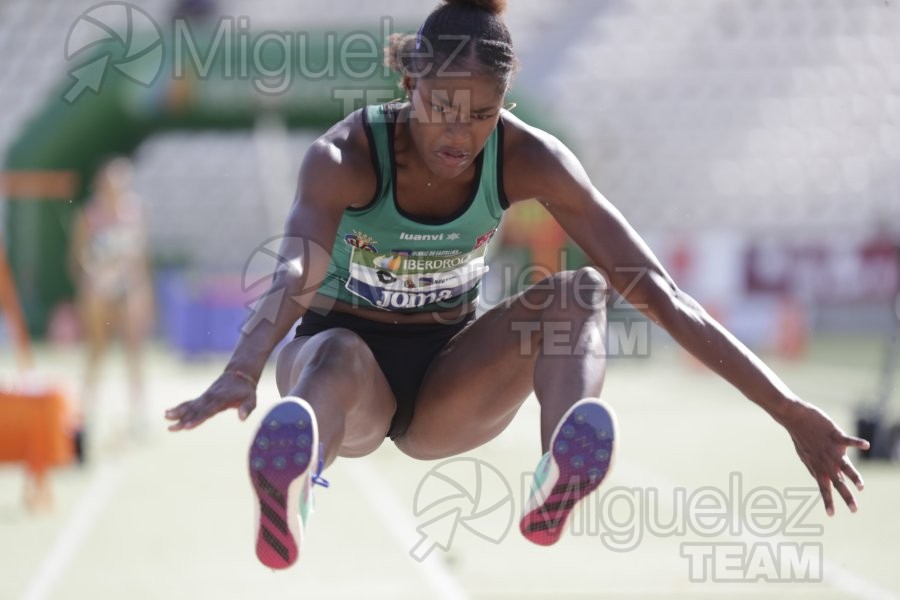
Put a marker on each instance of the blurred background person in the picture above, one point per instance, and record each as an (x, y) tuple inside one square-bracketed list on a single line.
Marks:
[(114, 290)]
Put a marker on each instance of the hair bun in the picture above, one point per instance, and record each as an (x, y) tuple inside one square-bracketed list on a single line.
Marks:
[(495, 7)]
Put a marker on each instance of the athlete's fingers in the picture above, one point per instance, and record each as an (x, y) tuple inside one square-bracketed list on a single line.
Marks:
[(178, 411), (844, 491), (182, 420), (195, 419), (855, 442), (177, 426), (825, 489), (851, 472), (187, 416)]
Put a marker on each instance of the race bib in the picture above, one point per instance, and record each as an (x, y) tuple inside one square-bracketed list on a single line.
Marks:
[(410, 280)]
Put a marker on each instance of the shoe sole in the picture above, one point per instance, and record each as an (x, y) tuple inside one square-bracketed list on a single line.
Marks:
[(581, 451), (283, 449)]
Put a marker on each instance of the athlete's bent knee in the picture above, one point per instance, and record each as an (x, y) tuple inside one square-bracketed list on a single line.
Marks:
[(583, 289), (339, 348), (324, 351)]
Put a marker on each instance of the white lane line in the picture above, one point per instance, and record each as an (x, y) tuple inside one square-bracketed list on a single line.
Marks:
[(834, 574), (79, 526), (398, 522)]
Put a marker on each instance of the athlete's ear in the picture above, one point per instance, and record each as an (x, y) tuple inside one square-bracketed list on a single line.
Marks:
[(409, 84)]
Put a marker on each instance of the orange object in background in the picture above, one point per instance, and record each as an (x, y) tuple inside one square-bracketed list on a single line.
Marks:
[(35, 430), (529, 225), (792, 340), (34, 415)]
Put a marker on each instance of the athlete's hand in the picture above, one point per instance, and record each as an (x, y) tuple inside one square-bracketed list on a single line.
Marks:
[(822, 447), (228, 391)]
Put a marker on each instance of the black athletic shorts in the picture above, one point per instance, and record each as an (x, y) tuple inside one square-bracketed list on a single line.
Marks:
[(404, 352)]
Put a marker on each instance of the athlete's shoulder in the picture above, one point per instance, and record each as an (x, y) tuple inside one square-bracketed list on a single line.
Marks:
[(534, 161), (527, 143), (338, 164)]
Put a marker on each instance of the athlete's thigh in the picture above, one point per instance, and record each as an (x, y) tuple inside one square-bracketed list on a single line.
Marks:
[(287, 368), (365, 427), (477, 383)]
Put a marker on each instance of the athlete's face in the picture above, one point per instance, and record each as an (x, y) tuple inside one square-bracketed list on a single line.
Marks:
[(451, 120)]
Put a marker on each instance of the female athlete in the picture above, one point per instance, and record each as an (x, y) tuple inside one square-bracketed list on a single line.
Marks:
[(383, 253)]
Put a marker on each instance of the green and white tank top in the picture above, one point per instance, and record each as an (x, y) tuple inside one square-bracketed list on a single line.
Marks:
[(386, 258)]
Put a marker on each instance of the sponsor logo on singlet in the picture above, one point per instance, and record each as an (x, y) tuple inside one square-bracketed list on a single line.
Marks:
[(484, 239), (428, 237), (409, 279), (360, 240)]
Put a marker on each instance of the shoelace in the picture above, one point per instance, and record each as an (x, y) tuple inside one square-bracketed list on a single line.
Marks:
[(317, 478)]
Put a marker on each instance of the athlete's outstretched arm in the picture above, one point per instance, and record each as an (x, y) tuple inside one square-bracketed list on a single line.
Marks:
[(616, 249), (322, 194)]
